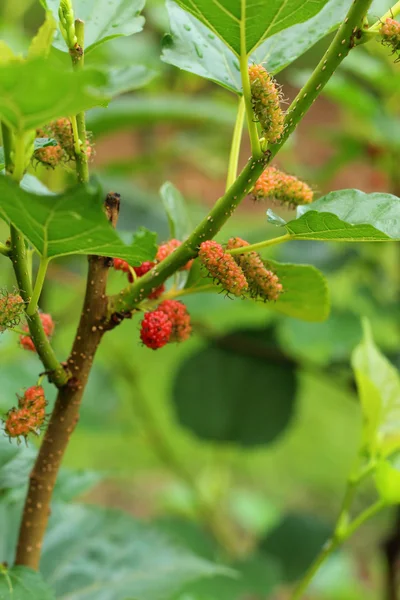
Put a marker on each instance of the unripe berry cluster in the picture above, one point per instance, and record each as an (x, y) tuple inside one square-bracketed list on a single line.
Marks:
[(11, 310), (61, 131), (287, 189), (266, 98), (30, 414), (170, 322), (263, 283), (223, 268), (390, 32), (48, 327)]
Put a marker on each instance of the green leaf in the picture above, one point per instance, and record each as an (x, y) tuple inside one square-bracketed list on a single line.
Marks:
[(127, 79), (103, 20), (91, 553), (44, 142), (378, 385), (6, 54), (72, 223), (296, 542), (41, 43), (177, 213), (305, 292), (71, 484), (245, 24), (21, 583), (145, 111), (387, 480), (53, 92), (305, 296), (192, 47), (15, 463), (348, 216), (238, 389)]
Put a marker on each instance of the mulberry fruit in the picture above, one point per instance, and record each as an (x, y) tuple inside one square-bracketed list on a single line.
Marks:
[(223, 267), (156, 329), (166, 249), (179, 317), (266, 99), (285, 188)]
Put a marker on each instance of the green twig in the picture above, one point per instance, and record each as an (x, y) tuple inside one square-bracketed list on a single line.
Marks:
[(4, 249), (80, 144), (41, 275), (131, 296), (235, 147), (261, 245), (344, 40)]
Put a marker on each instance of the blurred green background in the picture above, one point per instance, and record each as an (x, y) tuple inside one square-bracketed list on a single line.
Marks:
[(257, 413)]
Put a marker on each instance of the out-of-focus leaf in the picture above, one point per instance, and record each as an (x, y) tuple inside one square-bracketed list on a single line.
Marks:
[(41, 43), (244, 24), (149, 111), (21, 583), (72, 223), (15, 463), (295, 543), (387, 480), (177, 213), (127, 79), (378, 385), (251, 406), (103, 20), (71, 484), (35, 92), (191, 45), (94, 554)]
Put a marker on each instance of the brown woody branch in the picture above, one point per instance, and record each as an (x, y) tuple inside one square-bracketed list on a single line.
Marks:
[(65, 415)]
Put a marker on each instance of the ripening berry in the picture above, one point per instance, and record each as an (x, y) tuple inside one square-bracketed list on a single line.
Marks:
[(48, 327), (222, 267), (33, 398), (263, 283), (61, 130), (156, 329), (266, 97), (390, 32), (11, 309), (141, 270), (166, 249), (179, 317), (121, 265), (50, 156), (285, 188)]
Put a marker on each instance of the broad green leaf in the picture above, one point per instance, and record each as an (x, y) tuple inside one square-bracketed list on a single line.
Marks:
[(126, 79), (95, 554), (44, 142), (191, 46), (296, 542), (387, 480), (177, 213), (305, 292), (41, 43), (305, 296), (245, 24), (145, 111), (378, 385), (53, 92), (21, 583), (72, 223), (239, 389), (103, 20), (348, 216)]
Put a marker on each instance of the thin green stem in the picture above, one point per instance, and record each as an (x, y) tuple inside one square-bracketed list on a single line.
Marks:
[(235, 147), (367, 514), (4, 249), (261, 245), (40, 277), (244, 72), (80, 143), (328, 549), (19, 331), (390, 14), (344, 40)]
